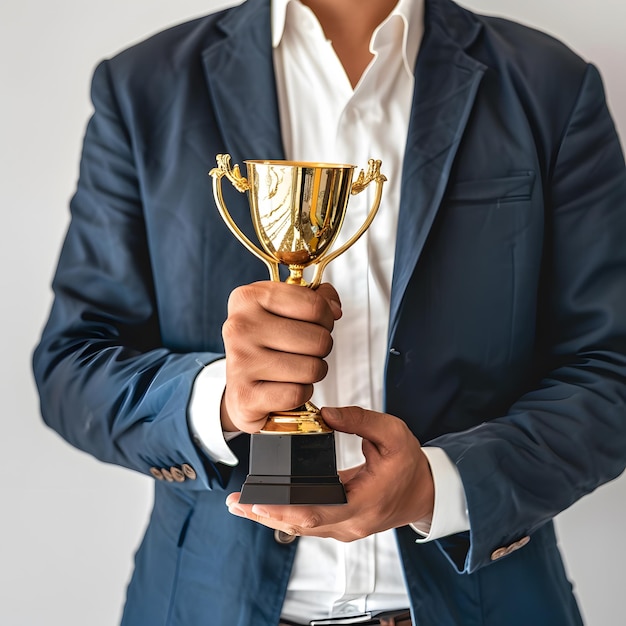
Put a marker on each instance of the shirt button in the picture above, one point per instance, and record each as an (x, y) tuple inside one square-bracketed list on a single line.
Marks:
[(394, 352)]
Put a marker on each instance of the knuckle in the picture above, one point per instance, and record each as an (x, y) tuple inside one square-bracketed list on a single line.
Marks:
[(246, 394), (357, 532), (312, 520), (397, 428), (239, 397), (324, 344), (358, 414), (402, 434), (240, 296), (239, 360), (235, 327), (318, 310), (249, 297)]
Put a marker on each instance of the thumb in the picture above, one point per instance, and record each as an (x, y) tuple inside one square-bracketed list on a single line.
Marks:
[(384, 431)]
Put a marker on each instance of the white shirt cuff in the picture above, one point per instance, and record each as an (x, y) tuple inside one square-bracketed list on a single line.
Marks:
[(204, 414), (450, 509)]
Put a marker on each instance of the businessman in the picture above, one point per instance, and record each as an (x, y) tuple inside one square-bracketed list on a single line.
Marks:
[(475, 337)]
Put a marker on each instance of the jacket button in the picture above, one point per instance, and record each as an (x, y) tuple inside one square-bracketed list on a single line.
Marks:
[(156, 472), (280, 536), (177, 474), (516, 545), (498, 554), (189, 471), (519, 544)]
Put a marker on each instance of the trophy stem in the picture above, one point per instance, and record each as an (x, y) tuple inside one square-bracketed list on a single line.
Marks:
[(296, 276)]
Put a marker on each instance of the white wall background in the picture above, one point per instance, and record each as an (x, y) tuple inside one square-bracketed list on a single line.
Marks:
[(68, 524)]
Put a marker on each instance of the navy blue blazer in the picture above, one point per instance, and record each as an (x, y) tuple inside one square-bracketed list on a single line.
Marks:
[(507, 333)]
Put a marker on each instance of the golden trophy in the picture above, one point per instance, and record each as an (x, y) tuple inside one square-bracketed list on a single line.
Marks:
[(297, 209)]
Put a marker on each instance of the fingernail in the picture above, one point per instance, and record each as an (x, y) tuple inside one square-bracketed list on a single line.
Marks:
[(236, 510), (232, 498), (335, 307), (260, 511)]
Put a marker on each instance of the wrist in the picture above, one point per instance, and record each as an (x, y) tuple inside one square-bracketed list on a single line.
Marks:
[(227, 423)]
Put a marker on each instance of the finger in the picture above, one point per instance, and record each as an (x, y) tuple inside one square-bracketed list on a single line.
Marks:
[(386, 433), (297, 337), (289, 301), (300, 520), (264, 396), (245, 331), (238, 509), (246, 511), (246, 406), (232, 499), (258, 365), (319, 520)]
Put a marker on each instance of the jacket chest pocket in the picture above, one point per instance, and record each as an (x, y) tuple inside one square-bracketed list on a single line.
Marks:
[(514, 188)]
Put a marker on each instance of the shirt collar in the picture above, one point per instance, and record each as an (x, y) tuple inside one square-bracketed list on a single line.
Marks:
[(279, 14), (410, 11)]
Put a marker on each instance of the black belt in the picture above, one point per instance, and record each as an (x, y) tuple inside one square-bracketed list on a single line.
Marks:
[(385, 618)]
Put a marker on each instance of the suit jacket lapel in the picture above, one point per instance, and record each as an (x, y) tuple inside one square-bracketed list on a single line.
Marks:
[(240, 75), (239, 72), (446, 82)]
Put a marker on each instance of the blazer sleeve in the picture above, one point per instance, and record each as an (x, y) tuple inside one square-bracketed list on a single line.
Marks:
[(107, 385), (567, 435)]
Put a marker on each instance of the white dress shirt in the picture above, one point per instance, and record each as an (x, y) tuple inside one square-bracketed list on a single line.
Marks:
[(324, 119)]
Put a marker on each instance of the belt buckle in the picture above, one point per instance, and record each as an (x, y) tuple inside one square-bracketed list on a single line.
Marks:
[(382, 618), (361, 618)]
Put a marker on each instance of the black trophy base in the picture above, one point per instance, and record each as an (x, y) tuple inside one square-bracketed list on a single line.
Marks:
[(293, 469)]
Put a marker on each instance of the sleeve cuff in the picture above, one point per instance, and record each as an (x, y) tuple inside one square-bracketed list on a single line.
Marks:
[(204, 414), (450, 514)]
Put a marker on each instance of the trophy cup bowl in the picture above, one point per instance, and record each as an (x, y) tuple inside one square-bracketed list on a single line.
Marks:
[(297, 210)]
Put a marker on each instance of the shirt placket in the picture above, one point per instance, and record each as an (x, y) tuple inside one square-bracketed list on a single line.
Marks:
[(350, 130), (354, 137)]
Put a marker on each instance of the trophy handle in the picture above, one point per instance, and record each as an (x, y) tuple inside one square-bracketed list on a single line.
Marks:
[(362, 181), (241, 184)]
